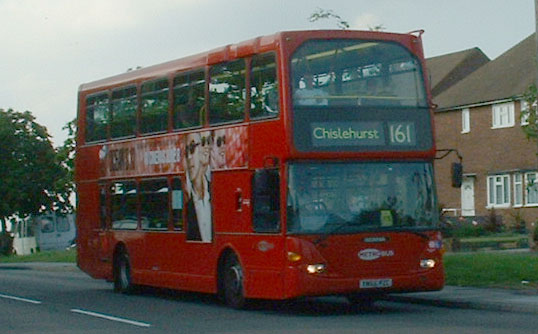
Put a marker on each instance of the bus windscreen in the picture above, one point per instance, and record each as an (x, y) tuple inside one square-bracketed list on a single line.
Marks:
[(353, 197)]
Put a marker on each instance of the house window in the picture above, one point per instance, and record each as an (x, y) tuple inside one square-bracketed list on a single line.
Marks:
[(499, 191), (518, 189), (503, 115), (531, 185), (465, 121)]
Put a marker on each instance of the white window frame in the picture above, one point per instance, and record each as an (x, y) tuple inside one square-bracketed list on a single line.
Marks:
[(465, 121), (500, 183), (531, 189), (518, 190), (502, 115)]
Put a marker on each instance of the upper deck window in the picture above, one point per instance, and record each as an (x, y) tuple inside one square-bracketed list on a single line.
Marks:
[(123, 119), (97, 107), (263, 87), (154, 114), (227, 92), (359, 73), (356, 96), (189, 99)]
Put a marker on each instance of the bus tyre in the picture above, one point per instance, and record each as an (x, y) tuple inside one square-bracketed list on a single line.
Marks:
[(232, 283), (122, 274)]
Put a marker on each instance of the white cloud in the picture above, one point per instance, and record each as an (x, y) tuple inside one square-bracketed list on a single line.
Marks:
[(366, 21)]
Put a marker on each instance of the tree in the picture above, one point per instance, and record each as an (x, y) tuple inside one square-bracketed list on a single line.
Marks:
[(65, 157), (320, 14), (529, 114), (30, 171), (328, 14)]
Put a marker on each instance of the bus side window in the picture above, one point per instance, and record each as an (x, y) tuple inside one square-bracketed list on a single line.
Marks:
[(177, 204), (227, 92), (154, 204), (97, 117), (103, 206), (264, 87), (124, 205), (189, 100), (123, 116), (266, 200), (154, 112)]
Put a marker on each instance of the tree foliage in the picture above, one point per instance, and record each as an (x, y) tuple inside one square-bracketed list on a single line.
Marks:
[(65, 158), (529, 113), (33, 177), (320, 14)]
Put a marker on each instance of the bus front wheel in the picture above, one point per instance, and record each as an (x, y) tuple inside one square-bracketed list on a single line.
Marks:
[(122, 273), (232, 283)]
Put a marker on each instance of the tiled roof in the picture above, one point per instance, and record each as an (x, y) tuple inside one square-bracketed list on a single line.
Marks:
[(507, 76), (447, 70)]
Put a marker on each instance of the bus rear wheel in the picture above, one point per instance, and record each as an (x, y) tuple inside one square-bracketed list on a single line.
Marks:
[(122, 274), (232, 283)]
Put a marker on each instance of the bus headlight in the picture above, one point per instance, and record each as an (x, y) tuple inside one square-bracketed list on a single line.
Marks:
[(427, 263), (317, 268)]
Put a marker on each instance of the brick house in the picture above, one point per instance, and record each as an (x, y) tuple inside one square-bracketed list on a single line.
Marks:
[(479, 116)]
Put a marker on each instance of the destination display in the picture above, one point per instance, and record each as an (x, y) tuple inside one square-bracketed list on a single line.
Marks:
[(364, 130), (362, 133)]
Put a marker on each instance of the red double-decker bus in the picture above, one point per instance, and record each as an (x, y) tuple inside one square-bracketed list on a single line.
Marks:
[(296, 164)]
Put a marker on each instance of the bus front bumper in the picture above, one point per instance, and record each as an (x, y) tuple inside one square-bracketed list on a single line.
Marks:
[(301, 283)]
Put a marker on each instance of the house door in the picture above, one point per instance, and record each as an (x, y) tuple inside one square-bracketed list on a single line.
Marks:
[(467, 196)]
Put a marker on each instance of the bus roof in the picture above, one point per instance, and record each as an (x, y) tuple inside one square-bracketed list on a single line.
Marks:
[(234, 51)]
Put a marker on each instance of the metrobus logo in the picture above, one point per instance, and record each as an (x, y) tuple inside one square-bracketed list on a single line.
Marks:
[(371, 254)]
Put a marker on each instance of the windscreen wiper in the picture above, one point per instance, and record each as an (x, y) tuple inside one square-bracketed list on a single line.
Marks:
[(417, 233), (337, 228)]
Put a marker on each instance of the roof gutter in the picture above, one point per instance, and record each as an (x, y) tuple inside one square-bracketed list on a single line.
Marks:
[(479, 104)]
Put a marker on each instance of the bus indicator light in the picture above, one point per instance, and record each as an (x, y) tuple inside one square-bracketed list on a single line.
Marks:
[(294, 257)]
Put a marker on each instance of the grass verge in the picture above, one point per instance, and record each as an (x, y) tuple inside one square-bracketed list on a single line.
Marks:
[(44, 256), (491, 269)]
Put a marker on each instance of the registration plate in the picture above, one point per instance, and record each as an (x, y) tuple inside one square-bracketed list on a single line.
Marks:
[(375, 283)]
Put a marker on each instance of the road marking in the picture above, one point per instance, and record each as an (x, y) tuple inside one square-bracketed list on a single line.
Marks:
[(31, 301), (112, 318)]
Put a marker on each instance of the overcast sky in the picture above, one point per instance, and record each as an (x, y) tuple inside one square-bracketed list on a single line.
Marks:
[(49, 47)]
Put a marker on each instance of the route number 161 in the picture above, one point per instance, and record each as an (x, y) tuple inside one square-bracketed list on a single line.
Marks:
[(402, 133)]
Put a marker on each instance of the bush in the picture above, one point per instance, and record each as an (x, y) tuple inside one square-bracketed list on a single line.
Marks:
[(468, 227), (535, 233), (494, 223), (461, 227), (519, 225)]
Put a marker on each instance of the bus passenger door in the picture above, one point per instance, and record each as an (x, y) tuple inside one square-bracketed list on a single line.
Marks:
[(228, 220), (264, 272)]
